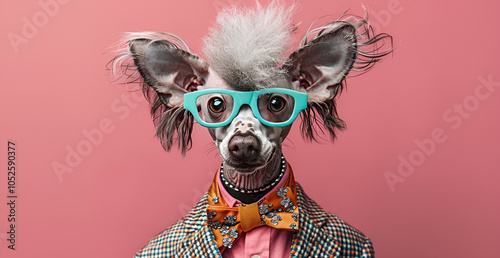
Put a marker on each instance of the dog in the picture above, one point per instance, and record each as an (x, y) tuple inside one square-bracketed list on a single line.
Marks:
[(248, 95)]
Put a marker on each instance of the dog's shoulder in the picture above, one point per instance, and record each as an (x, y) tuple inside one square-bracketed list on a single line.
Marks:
[(337, 234), (174, 239), (350, 241)]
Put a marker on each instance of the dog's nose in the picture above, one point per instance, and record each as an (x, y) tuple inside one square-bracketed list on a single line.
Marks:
[(244, 147)]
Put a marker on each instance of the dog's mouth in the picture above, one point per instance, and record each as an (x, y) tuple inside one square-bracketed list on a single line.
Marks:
[(249, 167)]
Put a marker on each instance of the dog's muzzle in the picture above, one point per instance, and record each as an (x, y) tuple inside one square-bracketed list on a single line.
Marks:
[(244, 148)]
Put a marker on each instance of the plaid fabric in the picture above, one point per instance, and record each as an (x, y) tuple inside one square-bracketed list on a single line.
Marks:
[(321, 234)]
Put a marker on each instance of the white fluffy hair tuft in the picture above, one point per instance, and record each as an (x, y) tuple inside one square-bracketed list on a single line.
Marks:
[(247, 46)]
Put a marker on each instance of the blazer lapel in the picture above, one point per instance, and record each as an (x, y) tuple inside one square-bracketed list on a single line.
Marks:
[(201, 244), (199, 240), (312, 240)]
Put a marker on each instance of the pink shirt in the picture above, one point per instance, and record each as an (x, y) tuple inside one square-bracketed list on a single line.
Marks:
[(263, 242)]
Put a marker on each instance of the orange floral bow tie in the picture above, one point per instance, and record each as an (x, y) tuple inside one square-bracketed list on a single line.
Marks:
[(278, 210)]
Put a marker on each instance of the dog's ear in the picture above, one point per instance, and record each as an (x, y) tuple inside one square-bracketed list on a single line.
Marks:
[(162, 64), (168, 69), (320, 65)]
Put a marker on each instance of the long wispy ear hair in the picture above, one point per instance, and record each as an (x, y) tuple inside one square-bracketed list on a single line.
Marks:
[(174, 124), (321, 117)]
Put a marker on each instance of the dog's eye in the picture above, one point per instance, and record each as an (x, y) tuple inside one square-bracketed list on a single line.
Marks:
[(216, 105), (276, 104)]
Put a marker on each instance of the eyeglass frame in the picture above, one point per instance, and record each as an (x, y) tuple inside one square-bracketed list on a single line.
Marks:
[(241, 98)]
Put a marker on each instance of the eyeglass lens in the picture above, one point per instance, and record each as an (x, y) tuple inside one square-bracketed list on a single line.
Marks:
[(217, 107)]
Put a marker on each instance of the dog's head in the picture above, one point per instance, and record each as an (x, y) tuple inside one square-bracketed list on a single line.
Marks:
[(233, 91)]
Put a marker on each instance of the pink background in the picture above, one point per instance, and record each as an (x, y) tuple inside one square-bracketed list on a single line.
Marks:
[(125, 188)]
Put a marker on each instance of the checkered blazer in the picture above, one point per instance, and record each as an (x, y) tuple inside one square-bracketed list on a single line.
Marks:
[(321, 234)]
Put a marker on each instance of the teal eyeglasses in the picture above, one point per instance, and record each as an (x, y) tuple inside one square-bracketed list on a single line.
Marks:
[(274, 107)]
